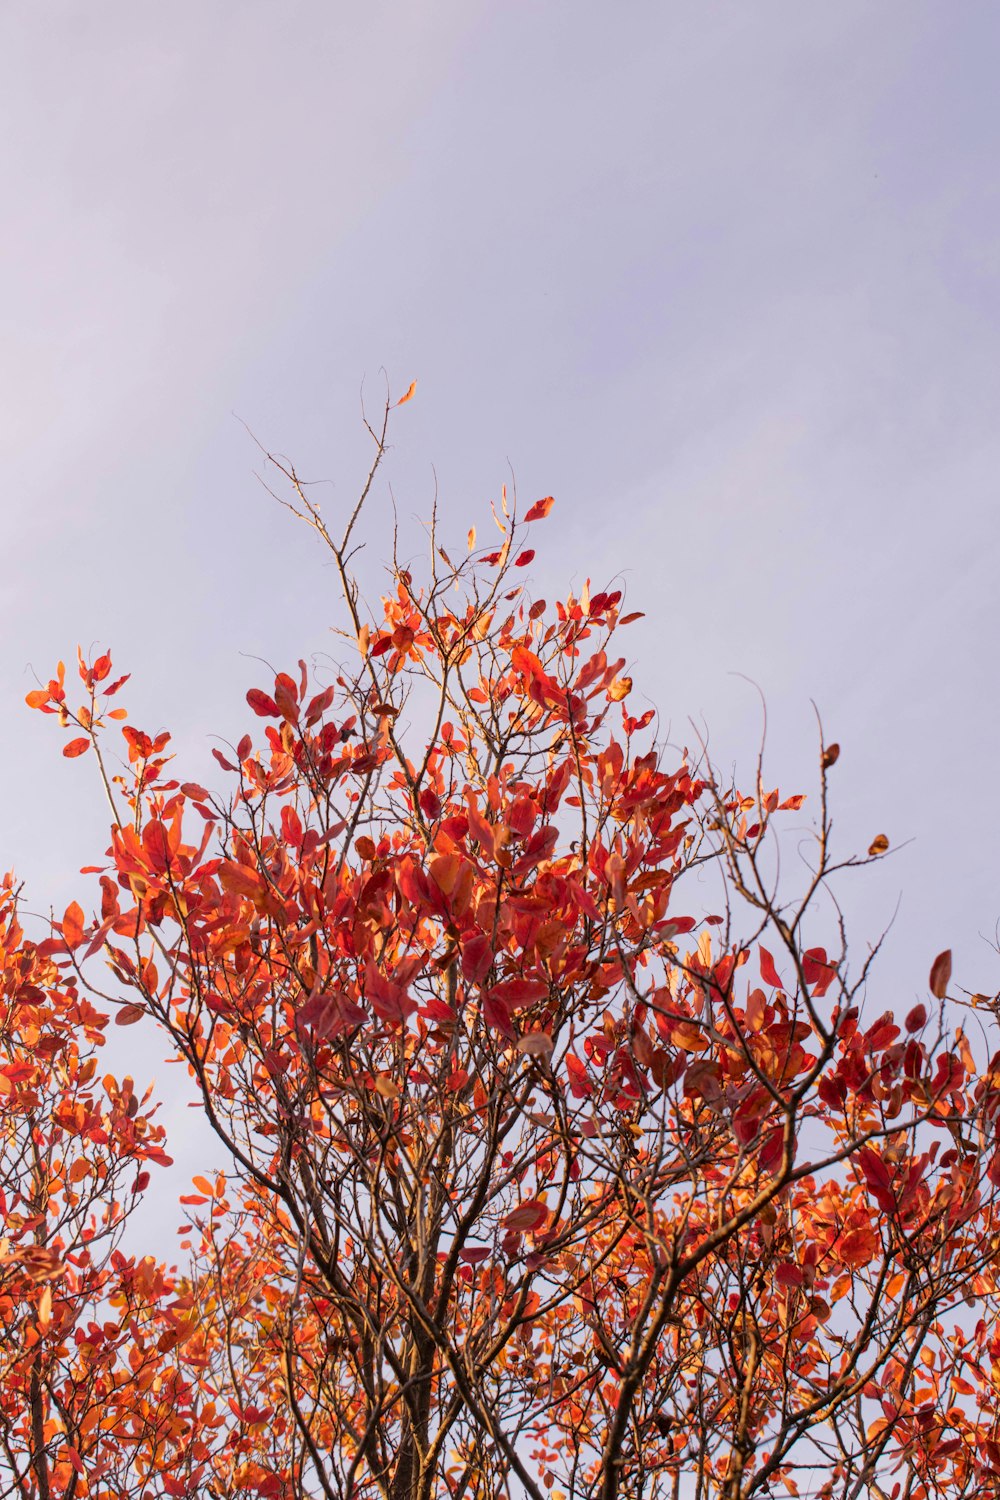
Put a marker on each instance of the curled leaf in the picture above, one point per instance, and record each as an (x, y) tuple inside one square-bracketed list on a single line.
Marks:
[(878, 845), (940, 975), (409, 393), (831, 754)]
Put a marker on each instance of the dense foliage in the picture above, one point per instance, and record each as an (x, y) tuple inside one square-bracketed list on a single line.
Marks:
[(561, 1154)]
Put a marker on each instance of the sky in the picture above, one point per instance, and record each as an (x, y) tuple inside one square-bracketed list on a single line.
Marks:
[(722, 278)]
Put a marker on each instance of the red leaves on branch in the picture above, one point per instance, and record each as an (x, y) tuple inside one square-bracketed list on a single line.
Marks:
[(527, 1179)]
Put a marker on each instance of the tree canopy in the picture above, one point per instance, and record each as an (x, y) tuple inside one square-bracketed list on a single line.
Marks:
[(564, 1146)]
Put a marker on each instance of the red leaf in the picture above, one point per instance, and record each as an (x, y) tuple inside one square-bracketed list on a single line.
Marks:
[(939, 976), (818, 971), (477, 958), (527, 1216), (527, 662), (874, 1168), (262, 704), (291, 826), (916, 1020), (129, 1014), (285, 697), (318, 705), (519, 991), (76, 747), (497, 1016), (540, 509), (768, 972), (524, 558)]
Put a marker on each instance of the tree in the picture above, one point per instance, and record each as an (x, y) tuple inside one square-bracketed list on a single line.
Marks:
[(541, 1175), (81, 1324)]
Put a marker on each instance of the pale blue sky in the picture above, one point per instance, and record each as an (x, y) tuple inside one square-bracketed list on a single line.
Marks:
[(721, 277)]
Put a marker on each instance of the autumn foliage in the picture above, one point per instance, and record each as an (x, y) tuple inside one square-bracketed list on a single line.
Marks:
[(561, 1148)]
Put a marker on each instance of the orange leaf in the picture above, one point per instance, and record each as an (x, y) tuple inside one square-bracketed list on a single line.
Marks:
[(540, 509), (413, 386), (76, 747), (72, 925), (619, 689), (129, 1014)]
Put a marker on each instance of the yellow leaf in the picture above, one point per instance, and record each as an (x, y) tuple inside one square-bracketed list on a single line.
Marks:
[(619, 689), (385, 1086)]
